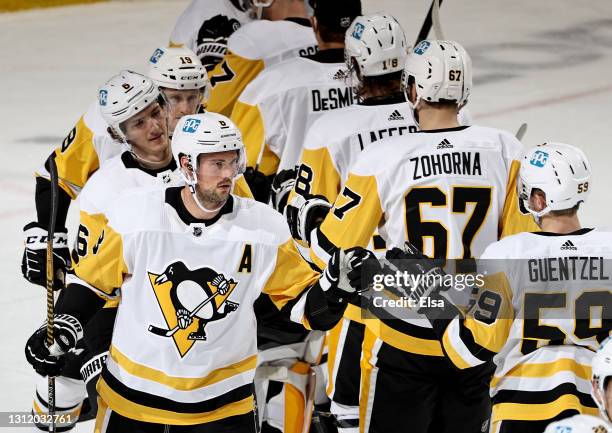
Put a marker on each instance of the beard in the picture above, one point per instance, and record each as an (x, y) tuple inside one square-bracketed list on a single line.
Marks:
[(213, 197)]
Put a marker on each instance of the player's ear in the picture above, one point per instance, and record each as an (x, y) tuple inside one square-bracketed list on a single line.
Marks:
[(537, 200), (314, 23)]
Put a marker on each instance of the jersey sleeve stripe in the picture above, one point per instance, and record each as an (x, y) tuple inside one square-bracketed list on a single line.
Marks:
[(456, 350)]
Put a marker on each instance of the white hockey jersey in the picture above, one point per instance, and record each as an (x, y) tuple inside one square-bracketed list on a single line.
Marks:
[(118, 176), (579, 424), (253, 47), (85, 149), (449, 192), (205, 26), (335, 140), (545, 306), (167, 265), (277, 108)]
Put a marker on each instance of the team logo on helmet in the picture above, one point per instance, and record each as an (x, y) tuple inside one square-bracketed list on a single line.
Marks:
[(539, 158), (191, 125), (358, 32), (422, 47), (190, 299), (156, 56), (103, 97)]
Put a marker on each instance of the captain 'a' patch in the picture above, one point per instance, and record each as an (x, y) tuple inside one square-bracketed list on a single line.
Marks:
[(189, 299)]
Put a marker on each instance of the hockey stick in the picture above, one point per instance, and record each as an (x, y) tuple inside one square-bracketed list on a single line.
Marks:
[(170, 332), (426, 27), (50, 278), (521, 132)]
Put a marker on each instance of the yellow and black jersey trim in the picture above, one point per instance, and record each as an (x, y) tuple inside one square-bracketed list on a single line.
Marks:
[(147, 407), (228, 79), (541, 405)]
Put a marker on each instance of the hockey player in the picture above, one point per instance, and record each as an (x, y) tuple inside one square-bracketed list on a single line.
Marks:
[(137, 114), (216, 252), (538, 319), (417, 187), (282, 32), (601, 392), (276, 109), (88, 146), (205, 25)]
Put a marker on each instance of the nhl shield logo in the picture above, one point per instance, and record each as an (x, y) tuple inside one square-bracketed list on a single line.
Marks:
[(189, 299)]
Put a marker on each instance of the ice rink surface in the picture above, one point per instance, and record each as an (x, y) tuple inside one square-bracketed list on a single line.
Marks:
[(546, 63)]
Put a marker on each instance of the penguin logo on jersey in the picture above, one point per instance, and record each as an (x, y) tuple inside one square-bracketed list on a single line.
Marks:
[(189, 300)]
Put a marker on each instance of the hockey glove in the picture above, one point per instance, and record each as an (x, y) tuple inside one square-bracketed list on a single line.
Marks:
[(259, 184), (283, 183), (304, 214), (50, 361), (342, 279), (426, 274), (34, 261)]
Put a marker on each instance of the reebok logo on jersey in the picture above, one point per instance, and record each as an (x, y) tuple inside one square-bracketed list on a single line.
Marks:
[(396, 115), (340, 75), (568, 245), (445, 144)]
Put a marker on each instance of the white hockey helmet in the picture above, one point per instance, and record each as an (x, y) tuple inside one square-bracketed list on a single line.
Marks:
[(123, 96), (442, 70), (177, 68), (206, 133), (601, 371), (377, 43), (560, 170), (579, 424)]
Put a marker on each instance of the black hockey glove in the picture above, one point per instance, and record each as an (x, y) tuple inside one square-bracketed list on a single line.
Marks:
[(427, 273), (343, 278), (259, 184), (34, 261), (283, 183), (305, 214), (50, 361)]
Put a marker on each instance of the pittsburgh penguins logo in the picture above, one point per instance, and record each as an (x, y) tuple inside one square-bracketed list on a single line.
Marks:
[(189, 299), (212, 39)]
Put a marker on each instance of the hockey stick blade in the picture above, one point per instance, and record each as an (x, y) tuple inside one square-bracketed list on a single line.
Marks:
[(427, 23), (521, 132)]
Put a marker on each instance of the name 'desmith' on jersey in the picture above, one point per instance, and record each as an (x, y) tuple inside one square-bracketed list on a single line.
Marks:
[(453, 163)]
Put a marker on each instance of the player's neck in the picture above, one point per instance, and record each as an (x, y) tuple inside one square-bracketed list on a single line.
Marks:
[(560, 224), (153, 162), (437, 118), (281, 10), (194, 209)]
